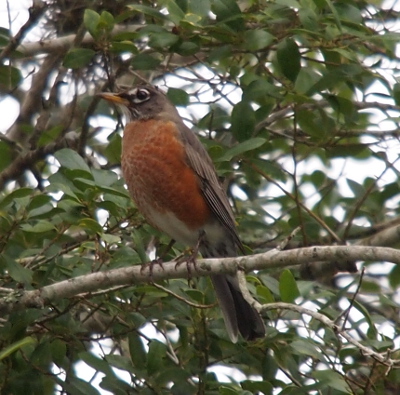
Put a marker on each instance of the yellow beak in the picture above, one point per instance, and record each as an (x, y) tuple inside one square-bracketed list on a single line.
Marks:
[(113, 97)]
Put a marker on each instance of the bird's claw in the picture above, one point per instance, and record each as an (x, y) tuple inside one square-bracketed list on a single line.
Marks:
[(189, 260), (150, 265)]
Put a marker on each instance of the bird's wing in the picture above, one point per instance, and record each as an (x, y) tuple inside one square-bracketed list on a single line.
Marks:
[(201, 163)]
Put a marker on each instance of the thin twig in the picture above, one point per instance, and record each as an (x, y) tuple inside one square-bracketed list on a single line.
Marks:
[(305, 208), (383, 358), (26, 160), (35, 12), (346, 316), (195, 305)]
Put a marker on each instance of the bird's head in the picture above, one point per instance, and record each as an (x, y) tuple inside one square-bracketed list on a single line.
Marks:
[(142, 102)]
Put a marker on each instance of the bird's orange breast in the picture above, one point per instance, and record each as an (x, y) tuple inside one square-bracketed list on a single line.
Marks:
[(158, 176)]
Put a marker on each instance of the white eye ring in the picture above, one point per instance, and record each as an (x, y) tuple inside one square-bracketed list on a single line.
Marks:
[(140, 95)]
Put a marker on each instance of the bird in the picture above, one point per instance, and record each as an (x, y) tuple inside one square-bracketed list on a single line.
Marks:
[(174, 183)]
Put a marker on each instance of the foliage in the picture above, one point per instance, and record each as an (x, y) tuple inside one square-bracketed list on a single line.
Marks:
[(297, 103)]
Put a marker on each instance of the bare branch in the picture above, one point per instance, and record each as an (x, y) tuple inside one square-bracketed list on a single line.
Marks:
[(204, 267), (35, 13), (61, 45), (33, 99), (386, 237)]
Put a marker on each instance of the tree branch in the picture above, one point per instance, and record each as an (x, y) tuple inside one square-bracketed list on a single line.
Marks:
[(32, 101), (35, 13), (383, 358), (26, 160), (61, 45), (137, 274), (386, 237)]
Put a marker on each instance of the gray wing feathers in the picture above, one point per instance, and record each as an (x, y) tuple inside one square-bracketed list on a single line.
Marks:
[(238, 314), (201, 163)]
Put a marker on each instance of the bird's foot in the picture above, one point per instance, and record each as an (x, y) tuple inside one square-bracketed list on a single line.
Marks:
[(189, 258), (150, 265)]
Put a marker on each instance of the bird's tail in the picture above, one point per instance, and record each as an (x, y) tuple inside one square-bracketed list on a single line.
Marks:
[(239, 315)]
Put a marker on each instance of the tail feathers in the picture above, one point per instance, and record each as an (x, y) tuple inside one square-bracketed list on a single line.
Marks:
[(239, 315)]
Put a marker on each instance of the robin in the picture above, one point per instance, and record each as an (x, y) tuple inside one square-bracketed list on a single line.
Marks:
[(174, 183)]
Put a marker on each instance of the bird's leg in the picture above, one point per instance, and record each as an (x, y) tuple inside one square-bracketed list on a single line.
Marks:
[(165, 251), (191, 258), (158, 261)]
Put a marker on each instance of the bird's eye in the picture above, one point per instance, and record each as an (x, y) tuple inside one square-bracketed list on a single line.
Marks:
[(142, 95)]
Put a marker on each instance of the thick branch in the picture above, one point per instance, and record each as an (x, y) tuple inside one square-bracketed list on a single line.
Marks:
[(137, 274), (386, 237)]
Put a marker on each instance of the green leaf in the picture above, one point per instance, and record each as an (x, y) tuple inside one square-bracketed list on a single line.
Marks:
[(176, 14), (71, 160), (178, 96), (308, 18), (356, 188), (95, 362), (224, 390), (59, 351), (40, 226), (255, 40), (106, 22), (396, 93), (344, 106), (305, 347), (5, 155), (256, 387), (48, 136), (306, 79), (187, 48), (91, 225), (162, 40), (144, 61), (366, 313), (19, 273), (335, 14), (77, 58), (360, 151), (10, 77), (265, 293), (199, 7), (79, 386), (91, 21), (110, 239), (259, 89), (136, 350), (288, 287), (148, 11), (271, 168), (123, 46), (4, 37), (240, 148), (16, 194), (288, 56), (394, 277), (41, 355), (12, 348), (113, 149), (332, 379), (243, 121), (228, 11), (310, 123), (155, 357)]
